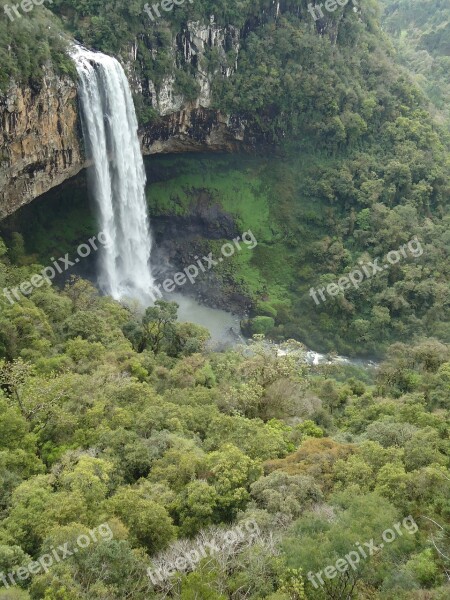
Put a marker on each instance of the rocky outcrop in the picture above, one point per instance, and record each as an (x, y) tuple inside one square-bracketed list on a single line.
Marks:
[(193, 46), (184, 125), (201, 130), (178, 238), (40, 142)]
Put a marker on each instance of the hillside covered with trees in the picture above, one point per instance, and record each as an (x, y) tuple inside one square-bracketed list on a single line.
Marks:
[(112, 418), (244, 474), (421, 33)]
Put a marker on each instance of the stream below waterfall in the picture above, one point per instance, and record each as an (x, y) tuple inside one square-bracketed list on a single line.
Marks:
[(225, 331)]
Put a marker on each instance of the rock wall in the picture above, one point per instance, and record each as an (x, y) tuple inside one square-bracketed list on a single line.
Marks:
[(40, 141), (201, 130), (184, 125)]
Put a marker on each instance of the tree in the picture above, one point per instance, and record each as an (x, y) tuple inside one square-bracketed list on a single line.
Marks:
[(149, 523), (286, 494), (231, 473), (195, 506), (157, 329), (316, 542)]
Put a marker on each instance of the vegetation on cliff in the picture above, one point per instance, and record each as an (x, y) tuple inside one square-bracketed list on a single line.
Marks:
[(421, 32), (315, 218), (363, 166), (28, 44)]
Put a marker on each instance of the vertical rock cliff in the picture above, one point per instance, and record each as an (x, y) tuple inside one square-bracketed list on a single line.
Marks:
[(40, 145)]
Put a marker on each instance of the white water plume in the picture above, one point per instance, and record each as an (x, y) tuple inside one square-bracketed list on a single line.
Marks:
[(110, 131)]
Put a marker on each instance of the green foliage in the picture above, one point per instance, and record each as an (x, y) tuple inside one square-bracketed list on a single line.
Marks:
[(169, 440), (107, 415), (421, 33), (321, 228), (337, 539), (158, 332), (27, 44), (259, 325), (149, 523)]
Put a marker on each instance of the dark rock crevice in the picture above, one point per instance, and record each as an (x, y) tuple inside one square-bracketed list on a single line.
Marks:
[(181, 241)]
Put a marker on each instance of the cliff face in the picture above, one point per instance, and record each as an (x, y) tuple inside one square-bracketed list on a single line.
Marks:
[(190, 46), (40, 143), (184, 125), (40, 136), (200, 130), (193, 126)]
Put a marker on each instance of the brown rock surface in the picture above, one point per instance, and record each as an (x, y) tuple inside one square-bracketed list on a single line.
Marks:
[(40, 141)]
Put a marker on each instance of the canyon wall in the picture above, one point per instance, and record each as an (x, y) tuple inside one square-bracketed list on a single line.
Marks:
[(40, 141)]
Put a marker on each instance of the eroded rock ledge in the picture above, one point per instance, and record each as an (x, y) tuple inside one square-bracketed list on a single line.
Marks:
[(200, 130), (42, 145)]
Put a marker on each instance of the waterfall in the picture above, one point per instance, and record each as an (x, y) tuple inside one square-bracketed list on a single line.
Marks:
[(117, 177)]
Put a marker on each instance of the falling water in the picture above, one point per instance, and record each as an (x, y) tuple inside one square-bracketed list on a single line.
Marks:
[(118, 176)]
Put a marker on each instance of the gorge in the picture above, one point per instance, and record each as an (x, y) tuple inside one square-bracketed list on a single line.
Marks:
[(321, 177)]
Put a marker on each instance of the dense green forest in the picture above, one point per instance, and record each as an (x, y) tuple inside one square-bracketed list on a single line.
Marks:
[(315, 220), (280, 481), (126, 423), (314, 224)]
